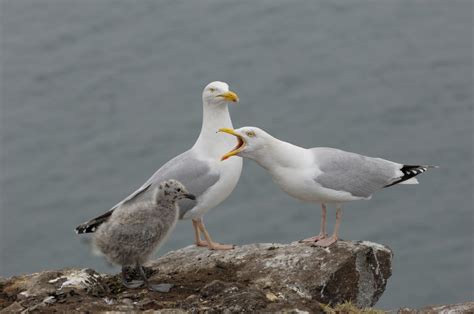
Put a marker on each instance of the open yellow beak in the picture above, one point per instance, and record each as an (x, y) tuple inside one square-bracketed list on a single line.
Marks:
[(238, 148), (230, 96)]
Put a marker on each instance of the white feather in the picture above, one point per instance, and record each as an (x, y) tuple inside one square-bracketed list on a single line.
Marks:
[(410, 181)]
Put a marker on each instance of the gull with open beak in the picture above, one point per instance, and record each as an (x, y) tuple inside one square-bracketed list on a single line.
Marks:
[(199, 169), (320, 174)]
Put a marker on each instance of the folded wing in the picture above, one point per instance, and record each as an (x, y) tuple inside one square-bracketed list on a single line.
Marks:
[(356, 174), (195, 174)]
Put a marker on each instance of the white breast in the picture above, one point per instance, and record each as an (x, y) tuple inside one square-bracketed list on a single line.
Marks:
[(230, 171)]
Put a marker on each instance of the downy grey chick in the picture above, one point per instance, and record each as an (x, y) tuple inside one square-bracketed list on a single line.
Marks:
[(135, 230)]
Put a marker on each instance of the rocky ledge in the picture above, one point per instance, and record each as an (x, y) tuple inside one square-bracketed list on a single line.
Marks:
[(256, 277), (466, 307)]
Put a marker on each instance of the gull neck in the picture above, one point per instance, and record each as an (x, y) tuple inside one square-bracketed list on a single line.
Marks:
[(280, 154), (215, 116)]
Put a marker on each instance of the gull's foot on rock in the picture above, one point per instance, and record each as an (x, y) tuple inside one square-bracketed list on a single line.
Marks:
[(326, 242), (314, 239), (202, 243), (163, 287)]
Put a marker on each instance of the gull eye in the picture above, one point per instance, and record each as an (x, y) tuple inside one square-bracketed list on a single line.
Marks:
[(250, 133), (179, 190), (212, 90)]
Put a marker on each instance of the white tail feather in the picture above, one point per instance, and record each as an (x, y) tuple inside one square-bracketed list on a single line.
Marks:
[(410, 181)]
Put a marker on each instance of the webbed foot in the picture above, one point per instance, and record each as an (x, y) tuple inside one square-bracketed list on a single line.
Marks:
[(326, 242), (201, 243), (319, 237)]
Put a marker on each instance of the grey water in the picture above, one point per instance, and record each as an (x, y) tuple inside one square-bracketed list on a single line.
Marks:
[(96, 95)]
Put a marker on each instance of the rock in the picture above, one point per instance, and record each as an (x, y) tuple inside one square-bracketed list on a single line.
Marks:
[(257, 277), (15, 307), (467, 307)]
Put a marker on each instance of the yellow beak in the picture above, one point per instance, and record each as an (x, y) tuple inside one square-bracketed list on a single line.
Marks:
[(238, 148), (230, 96), (230, 131)]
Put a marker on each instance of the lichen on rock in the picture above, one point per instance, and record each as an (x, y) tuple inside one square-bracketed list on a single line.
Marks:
[(255, 277)]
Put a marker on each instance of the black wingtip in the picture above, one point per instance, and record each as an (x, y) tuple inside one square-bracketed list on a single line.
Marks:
[(410, 171), (87, 227), (92, 225)]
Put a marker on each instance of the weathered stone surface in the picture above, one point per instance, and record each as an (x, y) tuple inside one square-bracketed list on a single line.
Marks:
[(466, 307), (257, 277)]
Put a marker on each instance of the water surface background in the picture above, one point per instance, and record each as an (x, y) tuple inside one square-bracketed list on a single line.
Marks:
[(96, 95)]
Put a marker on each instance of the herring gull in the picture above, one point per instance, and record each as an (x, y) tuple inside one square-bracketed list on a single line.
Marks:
[(320, 174), (199, 168)]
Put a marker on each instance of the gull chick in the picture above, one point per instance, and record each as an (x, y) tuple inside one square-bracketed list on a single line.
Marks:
[(136, 229), (320, 174), (198, 168)]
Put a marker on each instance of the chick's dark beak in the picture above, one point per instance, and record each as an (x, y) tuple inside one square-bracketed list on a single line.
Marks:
[(190, 196)]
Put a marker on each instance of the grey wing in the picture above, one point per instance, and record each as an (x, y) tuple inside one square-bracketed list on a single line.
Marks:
[(195, 174), (357, 174), (92, 224)]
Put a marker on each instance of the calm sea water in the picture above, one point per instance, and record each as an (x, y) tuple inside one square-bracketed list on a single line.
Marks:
[(96, 95)]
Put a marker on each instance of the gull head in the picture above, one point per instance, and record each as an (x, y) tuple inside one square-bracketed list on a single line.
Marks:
[(218, 93), (172, 190), (250, 141)]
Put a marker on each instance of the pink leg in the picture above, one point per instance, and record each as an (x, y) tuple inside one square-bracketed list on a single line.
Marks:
[(335, 236), (322, 233), (211, 245), (197, 234)]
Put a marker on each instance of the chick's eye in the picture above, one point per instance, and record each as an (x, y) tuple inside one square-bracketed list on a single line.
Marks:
[(250, 133), (179, 190)]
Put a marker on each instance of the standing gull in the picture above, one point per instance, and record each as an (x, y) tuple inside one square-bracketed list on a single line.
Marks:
[(320, 174), (199, 168), (136, 229)]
